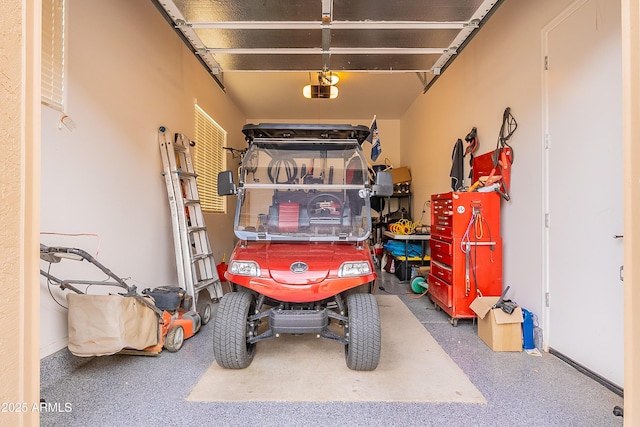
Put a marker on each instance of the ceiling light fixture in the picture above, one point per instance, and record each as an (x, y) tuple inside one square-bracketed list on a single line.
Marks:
[(320, 91), (324, 89)]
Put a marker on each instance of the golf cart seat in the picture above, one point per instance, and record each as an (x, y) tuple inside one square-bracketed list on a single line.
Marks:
[(287, 217), (293, 211)]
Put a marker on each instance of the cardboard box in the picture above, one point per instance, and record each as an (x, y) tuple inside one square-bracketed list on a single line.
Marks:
[(424, 270), (499, 330), (400, 175)]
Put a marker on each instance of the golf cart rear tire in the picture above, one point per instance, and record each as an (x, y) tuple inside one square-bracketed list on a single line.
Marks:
[(364, 341), (175, 339), (230, 347)]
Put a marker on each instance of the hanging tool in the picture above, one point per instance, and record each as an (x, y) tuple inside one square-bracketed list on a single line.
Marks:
[(467, 268), (457, 166), (486, 181), (472, 146), (503, 154)]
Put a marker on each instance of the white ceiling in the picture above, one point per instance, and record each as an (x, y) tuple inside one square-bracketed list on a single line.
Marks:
[(386, 53)]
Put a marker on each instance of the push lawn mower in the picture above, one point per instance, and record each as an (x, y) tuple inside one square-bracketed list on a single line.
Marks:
[(124, 322)]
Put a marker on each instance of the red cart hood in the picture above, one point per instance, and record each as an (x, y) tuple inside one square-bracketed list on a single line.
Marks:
[(304, 264), (300, 263)]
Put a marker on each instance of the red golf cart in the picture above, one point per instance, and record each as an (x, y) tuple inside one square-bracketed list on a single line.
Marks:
[(302, 264)]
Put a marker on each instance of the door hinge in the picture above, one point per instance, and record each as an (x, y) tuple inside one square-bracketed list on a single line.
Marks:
[(547, 220), (547, 141), (546, 299), (546, 62)]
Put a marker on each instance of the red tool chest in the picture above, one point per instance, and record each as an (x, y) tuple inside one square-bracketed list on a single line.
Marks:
[(466, 251)]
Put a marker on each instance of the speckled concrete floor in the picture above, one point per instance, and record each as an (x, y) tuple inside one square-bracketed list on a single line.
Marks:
[(521, 390)]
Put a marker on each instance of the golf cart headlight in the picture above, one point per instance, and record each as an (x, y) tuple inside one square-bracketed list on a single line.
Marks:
[(245, 268), (351, 269)]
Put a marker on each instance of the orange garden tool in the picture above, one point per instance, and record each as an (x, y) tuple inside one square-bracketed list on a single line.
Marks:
[(493, 167)]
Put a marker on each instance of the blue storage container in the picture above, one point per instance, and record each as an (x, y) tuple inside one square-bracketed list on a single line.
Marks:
[(528, 343)]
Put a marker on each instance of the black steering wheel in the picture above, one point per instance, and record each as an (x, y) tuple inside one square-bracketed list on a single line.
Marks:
[(325, 205)]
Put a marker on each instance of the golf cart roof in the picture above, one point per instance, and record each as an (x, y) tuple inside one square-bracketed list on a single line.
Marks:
[(305, 131)]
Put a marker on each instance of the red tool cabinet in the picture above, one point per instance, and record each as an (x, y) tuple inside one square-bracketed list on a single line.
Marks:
[(466, 251)]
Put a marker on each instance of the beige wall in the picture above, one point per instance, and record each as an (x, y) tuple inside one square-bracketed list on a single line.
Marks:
[(102, 180), (631, 138), (19, 210), (501, 67)]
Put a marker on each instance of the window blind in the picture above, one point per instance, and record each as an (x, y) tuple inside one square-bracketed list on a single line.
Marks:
[(53, 53), (210, 138)]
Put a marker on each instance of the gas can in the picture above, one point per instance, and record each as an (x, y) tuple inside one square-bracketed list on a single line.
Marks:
[(222, 268), (527, 330)]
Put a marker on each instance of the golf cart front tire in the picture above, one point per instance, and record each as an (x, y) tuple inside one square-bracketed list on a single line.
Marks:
[(364, 340), (230, 329)]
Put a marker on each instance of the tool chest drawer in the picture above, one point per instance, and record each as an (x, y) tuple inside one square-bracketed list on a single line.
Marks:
[(452, 212), (440, 246), (442, 206), (442, 217), (440, 292), (441, 251), (445, 221), (466, 250), (442, 271), (442, 232), (442, 211)]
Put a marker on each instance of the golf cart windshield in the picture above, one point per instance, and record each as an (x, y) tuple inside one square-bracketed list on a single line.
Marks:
[(303, 190)]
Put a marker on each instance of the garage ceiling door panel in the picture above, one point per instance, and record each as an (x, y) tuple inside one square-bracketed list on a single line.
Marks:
[(249, 10), (217, 38), (383, 62), (259, 62), (405, 10), (259, 39), (401, 38), (312, 63), (245, 43)]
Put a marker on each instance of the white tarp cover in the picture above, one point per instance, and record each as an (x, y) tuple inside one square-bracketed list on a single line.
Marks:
[(100, 325)]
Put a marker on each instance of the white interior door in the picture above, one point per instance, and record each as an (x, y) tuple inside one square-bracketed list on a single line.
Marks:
[(584, 180)]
